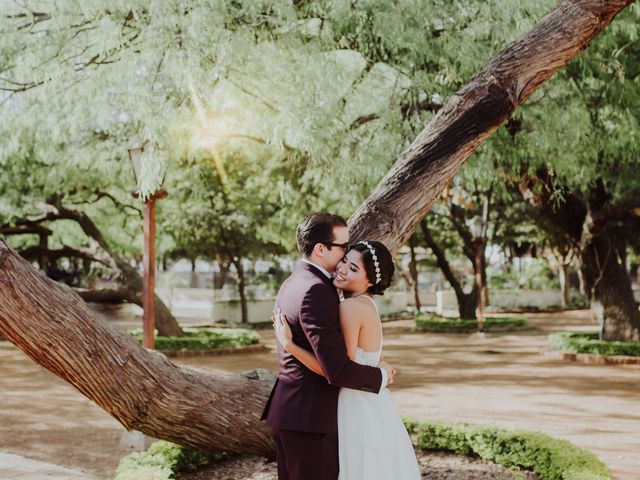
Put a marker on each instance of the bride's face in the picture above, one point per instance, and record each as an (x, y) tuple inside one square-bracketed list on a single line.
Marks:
[(351, 275)]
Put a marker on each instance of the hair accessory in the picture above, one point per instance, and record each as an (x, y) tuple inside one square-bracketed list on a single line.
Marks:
[(375, 259)]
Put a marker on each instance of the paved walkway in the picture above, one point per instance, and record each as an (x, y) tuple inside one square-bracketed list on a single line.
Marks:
[(502, 378), (15, 467)]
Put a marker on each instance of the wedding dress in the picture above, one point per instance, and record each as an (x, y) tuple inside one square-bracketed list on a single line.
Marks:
[(373, 442)]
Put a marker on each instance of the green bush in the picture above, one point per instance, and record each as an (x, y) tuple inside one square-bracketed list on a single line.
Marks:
[(437, 323), (550, 458), (204, 339), (588, 342), (160, 462)]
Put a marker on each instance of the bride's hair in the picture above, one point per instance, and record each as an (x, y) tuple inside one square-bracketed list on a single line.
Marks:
[(381, 278)]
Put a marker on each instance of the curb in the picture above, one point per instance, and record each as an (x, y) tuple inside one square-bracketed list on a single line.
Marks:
[(595, 359), (213, 352)]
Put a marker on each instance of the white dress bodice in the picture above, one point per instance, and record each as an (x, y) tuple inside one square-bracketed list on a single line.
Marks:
[(367, 358), (373, 442)]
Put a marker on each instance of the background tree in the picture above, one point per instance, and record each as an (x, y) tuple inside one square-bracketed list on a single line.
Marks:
[(575, 159)]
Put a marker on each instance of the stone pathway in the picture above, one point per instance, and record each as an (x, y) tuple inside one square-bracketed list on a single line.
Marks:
[(16, 467)]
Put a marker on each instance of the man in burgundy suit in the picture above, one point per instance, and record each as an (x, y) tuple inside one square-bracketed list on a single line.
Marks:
[(302, 408)]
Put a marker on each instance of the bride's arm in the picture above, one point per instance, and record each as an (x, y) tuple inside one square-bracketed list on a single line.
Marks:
[(285, 338)]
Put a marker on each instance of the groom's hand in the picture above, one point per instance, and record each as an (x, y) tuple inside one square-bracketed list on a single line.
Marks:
[(390, 371)]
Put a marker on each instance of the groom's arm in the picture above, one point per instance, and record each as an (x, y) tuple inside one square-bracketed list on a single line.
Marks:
[(321, 326)]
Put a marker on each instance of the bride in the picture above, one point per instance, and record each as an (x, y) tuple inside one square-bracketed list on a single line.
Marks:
[(373, 442)]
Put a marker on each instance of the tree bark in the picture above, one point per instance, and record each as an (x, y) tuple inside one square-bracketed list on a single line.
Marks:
[(141, 388), (220, 280), (413, 270), (46, 256), (607, 285), (421, 172), (105, 295), (466, 301), (604, 279), (194, 278), (237, 262)]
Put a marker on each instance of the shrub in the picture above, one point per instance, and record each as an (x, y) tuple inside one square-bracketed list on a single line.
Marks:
[(204, 339), (550, 458), (160, 462), (588, 342), (437, 323)]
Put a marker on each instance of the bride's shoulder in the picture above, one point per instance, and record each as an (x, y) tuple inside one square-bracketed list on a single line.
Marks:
[(355, 305)]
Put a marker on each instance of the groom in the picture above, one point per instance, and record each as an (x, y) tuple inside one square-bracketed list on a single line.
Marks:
[(302, 408)]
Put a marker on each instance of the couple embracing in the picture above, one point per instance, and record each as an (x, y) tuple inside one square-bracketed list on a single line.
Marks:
[(331, 412)]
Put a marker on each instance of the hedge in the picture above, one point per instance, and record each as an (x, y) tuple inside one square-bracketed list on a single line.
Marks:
[(588, 342), (437, 323), (204, 339), (549, 458), (161, 461)]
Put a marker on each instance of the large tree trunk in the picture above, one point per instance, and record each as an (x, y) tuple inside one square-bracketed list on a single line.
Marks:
[(406, 193), (608, 286), (564, 284), (466, 301), (146, 392), (604, 279), (140, 388)]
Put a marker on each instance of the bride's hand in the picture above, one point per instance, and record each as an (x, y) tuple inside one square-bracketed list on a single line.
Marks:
[(282, 329)]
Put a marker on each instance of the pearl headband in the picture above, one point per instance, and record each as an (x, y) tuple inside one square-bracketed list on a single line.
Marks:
[(375, 259)]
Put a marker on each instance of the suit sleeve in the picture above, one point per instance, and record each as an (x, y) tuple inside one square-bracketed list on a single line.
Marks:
[(321, 326)]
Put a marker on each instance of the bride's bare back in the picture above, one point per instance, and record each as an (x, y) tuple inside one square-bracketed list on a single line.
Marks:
[(360, 324)]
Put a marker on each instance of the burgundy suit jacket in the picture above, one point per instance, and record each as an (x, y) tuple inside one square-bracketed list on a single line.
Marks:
[(302, 400)]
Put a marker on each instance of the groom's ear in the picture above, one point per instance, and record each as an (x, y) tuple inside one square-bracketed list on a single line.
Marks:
[(318, 249)]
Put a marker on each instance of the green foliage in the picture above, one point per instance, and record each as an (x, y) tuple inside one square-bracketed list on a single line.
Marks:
[(588, 342), (299, 122), (437, 323), (160, 462), (550, 458), (307, 106), (204, 339)]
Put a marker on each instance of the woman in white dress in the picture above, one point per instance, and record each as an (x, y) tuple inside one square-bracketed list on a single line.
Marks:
[(373, 442)]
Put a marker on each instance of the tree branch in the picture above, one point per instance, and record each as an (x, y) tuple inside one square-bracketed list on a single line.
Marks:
[(472, 114)]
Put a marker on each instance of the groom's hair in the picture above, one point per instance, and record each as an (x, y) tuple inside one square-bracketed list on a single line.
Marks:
[(317, 228)]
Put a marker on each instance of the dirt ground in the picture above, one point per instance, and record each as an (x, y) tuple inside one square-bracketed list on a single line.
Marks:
[(503, 379), (433, 465)]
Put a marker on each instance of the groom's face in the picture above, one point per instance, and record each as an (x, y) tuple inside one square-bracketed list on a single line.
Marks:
[(334, 254)]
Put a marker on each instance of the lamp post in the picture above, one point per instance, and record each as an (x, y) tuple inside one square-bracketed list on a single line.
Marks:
[(149, 227), (476, 226)]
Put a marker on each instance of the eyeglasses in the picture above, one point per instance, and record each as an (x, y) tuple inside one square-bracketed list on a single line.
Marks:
[(341, 245)]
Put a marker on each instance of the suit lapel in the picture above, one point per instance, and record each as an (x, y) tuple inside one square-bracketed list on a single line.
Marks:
[(316, 271)]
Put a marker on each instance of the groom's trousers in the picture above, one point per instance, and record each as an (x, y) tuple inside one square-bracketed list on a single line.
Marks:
[(306, 456)]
